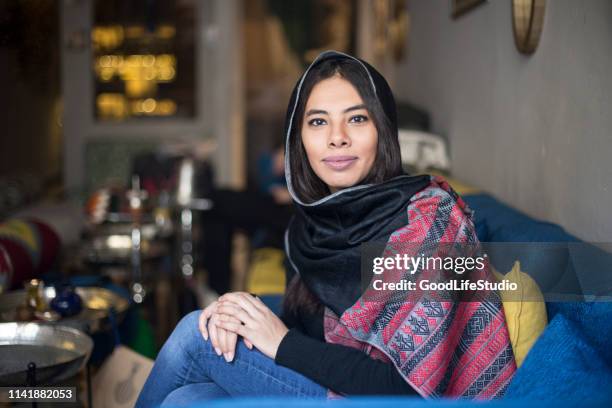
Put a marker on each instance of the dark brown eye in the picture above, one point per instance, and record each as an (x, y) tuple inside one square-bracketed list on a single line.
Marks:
[(358, 119), (316, 122)]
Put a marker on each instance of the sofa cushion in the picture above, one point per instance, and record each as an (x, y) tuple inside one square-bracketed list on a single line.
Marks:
[(571, 360), (525, 311)]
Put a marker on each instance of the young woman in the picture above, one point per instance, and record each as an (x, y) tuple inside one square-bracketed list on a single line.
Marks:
[(343, 171)]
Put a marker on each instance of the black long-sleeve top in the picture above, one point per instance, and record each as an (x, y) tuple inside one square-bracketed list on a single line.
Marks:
[(341, 368)]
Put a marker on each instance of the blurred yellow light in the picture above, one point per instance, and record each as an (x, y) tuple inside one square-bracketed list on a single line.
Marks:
[(165, 31), (148, 60), (136, 107), (107, 37), (116, 60), (134, 60), (163, 60), (152, 107), (106, 74), (139, 88), (137, 67), (166, 107), (105, 61), (130, 73), (141, 74), (149, 74), (148, 105), (166, 74), (134, 31), (111, 105)]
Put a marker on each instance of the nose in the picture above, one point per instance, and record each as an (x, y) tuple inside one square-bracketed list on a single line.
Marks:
[(338, 137)]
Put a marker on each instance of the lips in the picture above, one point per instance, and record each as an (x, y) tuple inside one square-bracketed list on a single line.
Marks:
[(339, 162)]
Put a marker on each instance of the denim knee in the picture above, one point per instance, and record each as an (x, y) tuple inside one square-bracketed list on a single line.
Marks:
[(189, 321), (187, 333)]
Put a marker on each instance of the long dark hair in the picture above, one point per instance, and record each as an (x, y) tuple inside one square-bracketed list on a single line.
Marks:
[(307, 185)]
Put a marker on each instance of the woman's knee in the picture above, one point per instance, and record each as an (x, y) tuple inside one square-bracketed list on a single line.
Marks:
[(190, 321), (187, 331)]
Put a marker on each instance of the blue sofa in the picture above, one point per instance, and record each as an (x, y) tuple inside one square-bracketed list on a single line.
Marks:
[(570, 364), (572, 359), (395, 402)]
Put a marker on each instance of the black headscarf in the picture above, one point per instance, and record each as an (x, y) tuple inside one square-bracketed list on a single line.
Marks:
[(324, 238)]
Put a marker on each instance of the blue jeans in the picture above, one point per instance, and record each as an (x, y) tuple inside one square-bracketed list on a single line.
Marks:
[(187, 370)]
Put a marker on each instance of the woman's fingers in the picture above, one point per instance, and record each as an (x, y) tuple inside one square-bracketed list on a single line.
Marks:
[(223, 321), (223, 341), (229, 351), (230, 345), (222, 337), (264, 332), (202, 320), (261, 306), (237, 328), (204, 316), (212, 330), (230, 340), (246, 301), (230, 318), (232, 309)]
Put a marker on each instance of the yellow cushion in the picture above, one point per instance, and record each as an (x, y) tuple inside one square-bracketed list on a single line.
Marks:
[(267, 273), (525, 311), (460, 187)]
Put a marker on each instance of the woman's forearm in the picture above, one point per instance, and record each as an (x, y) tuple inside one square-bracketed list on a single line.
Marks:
[(340, 368)]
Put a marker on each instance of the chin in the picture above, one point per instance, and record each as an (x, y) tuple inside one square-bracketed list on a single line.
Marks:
[(340, 184)]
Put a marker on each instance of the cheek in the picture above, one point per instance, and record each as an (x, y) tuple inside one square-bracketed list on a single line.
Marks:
[(369, 144), (312, 148)]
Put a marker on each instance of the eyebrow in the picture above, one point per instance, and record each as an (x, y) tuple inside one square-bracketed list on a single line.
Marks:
[(323, 112)]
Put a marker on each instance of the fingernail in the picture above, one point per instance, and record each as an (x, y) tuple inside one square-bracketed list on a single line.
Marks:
[(205, 336), (218, 351), (226, 357), (231, 356)]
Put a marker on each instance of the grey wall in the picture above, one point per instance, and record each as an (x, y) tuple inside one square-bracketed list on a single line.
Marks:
[(536, 131)]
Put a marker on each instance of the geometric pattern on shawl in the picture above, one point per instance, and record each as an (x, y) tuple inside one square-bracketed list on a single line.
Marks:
[(456, 349)]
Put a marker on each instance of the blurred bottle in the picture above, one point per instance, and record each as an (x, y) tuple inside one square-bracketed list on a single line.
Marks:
[(163, 214), (34, 295)]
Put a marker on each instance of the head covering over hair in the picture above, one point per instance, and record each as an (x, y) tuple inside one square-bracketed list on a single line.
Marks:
[(329, 232), (380, 88), (431, 343)]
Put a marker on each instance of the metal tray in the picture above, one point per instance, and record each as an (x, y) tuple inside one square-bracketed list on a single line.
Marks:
[(97, 304), (116, 249), (59, 352)]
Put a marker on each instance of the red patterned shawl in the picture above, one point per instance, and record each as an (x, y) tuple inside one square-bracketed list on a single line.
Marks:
[(441, 348)]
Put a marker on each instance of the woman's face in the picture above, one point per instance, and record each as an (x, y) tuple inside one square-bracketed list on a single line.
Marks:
[(338, 134)]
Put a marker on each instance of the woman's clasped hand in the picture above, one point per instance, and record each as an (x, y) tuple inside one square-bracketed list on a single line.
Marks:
[(240, 314)]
